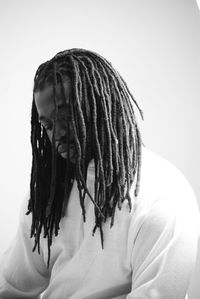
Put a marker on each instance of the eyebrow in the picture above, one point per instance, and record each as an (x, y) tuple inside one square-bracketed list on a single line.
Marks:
[(60, 106)]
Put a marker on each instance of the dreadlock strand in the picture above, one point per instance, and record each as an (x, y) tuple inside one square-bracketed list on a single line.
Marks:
[(67, 187), (115, 143), (78, 167), (94, 124), (105, 107), (139, 162), (130, 94), (53, 179), (125, 137), (78, 99), (93, 71)]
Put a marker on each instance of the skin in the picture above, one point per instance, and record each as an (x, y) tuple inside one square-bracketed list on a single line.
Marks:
[(44, 101)]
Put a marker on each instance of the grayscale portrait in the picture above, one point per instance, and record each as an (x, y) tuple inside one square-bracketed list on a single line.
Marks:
[(99, 158)]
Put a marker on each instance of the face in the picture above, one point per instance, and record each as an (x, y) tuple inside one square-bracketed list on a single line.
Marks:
[(44, 101)]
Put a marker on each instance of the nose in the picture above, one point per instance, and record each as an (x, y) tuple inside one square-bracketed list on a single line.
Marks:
[(60, 134)]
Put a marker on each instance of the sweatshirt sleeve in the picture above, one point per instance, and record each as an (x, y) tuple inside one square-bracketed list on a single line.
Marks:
[(165, 249), (23, 273)]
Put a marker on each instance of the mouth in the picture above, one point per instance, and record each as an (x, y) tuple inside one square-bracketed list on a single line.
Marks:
[(62, 150)]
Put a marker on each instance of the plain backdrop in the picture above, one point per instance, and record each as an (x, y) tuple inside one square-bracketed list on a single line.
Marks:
[(154, 44)]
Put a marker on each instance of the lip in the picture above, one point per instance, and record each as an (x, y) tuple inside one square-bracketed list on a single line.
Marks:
[(62, 148)]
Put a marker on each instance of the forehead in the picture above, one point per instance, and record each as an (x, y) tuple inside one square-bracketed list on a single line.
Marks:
[(44, 98)]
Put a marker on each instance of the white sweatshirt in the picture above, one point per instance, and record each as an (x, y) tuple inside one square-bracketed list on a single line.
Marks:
[(150, 252)]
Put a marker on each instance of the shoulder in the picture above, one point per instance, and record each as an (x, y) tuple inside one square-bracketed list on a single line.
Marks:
[(161, 177), (166, 201), (162, 185)]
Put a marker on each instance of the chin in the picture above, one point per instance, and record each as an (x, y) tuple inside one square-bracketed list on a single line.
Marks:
[(64, 156)]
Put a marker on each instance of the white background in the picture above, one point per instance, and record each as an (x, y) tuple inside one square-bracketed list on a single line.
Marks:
[(154, 44)]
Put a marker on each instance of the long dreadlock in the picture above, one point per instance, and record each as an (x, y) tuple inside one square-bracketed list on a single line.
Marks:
[(104, 129)]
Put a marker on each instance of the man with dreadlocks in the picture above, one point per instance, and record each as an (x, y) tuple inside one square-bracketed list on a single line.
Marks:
[(106, 217)]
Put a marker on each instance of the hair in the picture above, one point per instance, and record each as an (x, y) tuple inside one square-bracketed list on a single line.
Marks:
[(104, 128)]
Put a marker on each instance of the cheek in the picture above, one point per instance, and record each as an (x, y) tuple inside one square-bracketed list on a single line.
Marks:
[(49, 134)]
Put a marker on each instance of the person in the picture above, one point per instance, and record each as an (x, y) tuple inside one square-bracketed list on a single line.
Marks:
[(104, 216)]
